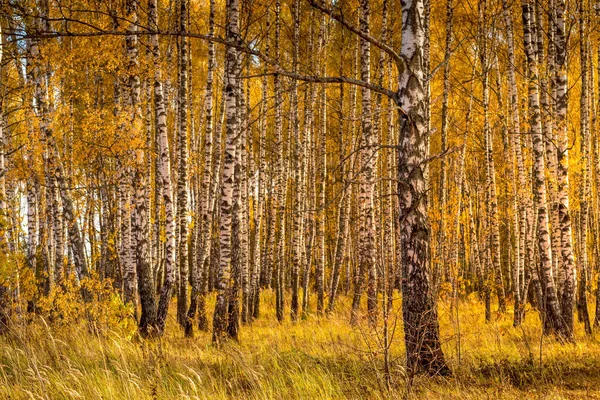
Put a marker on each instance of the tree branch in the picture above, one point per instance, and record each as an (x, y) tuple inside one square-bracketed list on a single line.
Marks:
[(277, 69), (339, 17), (325, 79)]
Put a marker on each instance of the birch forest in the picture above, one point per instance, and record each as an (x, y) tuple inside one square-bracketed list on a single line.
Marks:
[(299, 199)]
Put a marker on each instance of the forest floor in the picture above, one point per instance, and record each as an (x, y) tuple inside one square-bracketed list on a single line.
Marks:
[(317, 358)]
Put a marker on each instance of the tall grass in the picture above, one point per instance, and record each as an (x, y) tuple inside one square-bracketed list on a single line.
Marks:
[(318, 358)]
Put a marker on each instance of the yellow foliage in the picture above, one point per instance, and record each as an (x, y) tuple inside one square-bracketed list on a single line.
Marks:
[(103, 310)]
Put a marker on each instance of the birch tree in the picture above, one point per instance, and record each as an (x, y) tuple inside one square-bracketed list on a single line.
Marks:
[(182, 176), (366, 250), (584, 126), (567, 264), (200, 273), (421, 329), (220, 318), (551, 312)]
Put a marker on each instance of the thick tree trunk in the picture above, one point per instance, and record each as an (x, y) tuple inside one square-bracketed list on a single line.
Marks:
[(551, 313), (421, 329)]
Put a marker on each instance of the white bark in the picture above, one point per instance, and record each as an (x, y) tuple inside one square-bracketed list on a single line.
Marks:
[(220, 319)]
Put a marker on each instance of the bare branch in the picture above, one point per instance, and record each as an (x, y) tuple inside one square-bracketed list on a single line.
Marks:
[(326, 79), (277, 69), (339, 17)]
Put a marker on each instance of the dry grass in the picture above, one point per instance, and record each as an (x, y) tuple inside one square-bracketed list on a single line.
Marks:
[(313, 359)]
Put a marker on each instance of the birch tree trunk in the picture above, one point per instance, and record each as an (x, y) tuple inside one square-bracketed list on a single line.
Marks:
[(139, 214), (379, 272), (146, 288), (567, 262), (551, 313), (220, 319), (520, 193), (547, 98), (585, 175), (127, 267), (421, 329), (239, 239), (246, 158), (444, 133), (182, 176), (42, 108), (297, 233), (4, 301), (164, 174), (75, 235), (320, 263), (309, 130), (454, 259), (259, 243), (340, 246), (597, 316), (32, 214), (55, 170), (200, 273), (366, 248), (280, 183), (491, 193)]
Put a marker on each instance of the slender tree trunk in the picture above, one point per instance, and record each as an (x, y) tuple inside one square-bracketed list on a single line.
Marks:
[(200, 273), (340, 246), (585, 175), (491, 191), (567, 262), (220, 319), (378, 272), (182, 176), (444, 136), (320, 234), (163, 174), (32, 212), (280, 184), (4, 289), (366, 250), (597, 164), (298, 156), (547, 99), (520, 193), (246, 147), (310, 138), (147, 290), (454, 260), (259, 243)]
